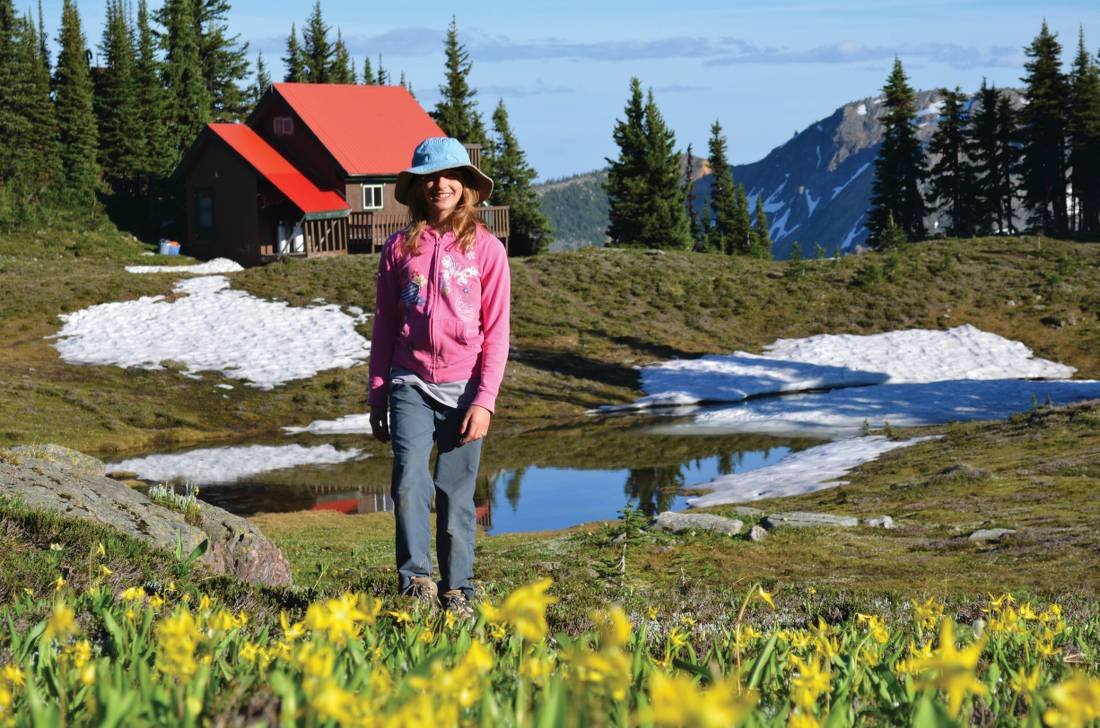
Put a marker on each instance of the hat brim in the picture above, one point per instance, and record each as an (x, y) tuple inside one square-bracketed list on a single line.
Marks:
[(405, 180)]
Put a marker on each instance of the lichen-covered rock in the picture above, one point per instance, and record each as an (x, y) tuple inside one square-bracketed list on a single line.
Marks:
[(805, 519), (757, 533), (880, 522), (73, 484), (991, 534), (676, 522)]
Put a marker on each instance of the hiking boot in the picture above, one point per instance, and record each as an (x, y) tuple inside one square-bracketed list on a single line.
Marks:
[(422, 589), (455, 601)]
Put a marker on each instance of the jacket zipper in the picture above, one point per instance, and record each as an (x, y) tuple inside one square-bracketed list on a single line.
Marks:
[(432, 301)]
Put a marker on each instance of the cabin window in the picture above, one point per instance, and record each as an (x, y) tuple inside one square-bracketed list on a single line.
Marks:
[(204, 213), (282, 126), (372, 197)]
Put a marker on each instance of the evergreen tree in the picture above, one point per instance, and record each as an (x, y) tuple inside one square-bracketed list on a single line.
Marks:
[(667, 222), (761, 235), (981, 148), (116, 103), (263, 81), (158, 153), (190, 106), (12, 122), (75, 117), (530, 232), (224, 59), (742, 223), (293, 60), (899, 166), (626, 186), (456, 112), (40, 163), (317, 52), (723, 196), (952, 175), (698, 242), (1084, 133), (382, 77), (341, 71), (43, 43), (1008, 160), (1043, 134), (368, 73)]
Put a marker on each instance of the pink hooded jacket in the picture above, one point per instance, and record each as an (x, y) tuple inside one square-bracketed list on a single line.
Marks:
[(442, 314)]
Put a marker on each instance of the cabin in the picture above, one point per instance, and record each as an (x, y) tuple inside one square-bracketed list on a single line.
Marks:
[(310, 173)]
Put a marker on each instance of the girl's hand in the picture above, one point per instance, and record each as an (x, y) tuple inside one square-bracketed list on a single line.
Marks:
[(380, 423), (474, 425)]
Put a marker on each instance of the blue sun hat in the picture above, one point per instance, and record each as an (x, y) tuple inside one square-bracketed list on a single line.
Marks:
[(439, 153)]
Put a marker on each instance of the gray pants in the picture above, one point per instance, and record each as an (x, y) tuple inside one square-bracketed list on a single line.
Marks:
[(417, 420)]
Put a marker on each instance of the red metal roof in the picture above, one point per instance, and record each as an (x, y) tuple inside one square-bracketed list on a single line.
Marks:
[(277, 170), (370, 130)]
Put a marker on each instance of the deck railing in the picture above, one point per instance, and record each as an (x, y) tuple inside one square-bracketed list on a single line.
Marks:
[(368, 231)]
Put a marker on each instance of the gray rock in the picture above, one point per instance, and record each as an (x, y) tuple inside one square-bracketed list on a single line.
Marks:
[(73, 460), (880, 522), (991, 534), (676, 522), (69, 484), (805, 519), (757, 533), (748, 511)]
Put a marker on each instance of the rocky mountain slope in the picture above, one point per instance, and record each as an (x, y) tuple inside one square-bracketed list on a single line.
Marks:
[(815, 187)]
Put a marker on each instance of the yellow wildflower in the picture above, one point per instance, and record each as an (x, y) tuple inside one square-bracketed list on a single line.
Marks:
[(525, 609), (316, 660), (426, 636), (249, 651), (449, 619), (56, 547), (60, 583), (652, 613), (177, 638), (765, 596), (13, 675), (798, 719), (333, 702), (156, 601), (62, 621), (293, 631), (478, 658), (614, 626), (875, 626), (401, 617), (104, 571), (812, 681), (927, 613), (953, 669), (204, 603), (677, 638), (80, 653), (535, 669), (101, 550), (132, 594), (1073, 702), (677, 701), (87, 674), (1023, 682)]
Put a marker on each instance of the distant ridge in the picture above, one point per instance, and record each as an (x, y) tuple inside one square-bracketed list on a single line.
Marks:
[(816, 186)]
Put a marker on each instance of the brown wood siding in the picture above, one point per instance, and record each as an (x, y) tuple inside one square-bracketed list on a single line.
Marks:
[(353, 193), (232, 184), (302, 148)]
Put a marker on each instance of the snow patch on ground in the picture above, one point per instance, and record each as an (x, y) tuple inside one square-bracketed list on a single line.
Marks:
[(211, 327), (810, 201), (355, 424), (229, 464), (217, 265), (800, 472), (844, 360), (861, 170)]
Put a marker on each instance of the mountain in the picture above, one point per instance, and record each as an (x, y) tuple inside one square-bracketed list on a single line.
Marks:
[(816, 186)]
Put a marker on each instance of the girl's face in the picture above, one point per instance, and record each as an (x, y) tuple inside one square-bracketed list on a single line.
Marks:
[(443, 192)]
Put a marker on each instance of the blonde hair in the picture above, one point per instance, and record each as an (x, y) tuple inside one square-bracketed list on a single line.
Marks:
[(464, 221)]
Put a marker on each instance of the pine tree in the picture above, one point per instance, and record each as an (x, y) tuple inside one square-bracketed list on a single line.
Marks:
[(224, 59), (723, 195), (190, 106), (12, 122), (368, 73), (293, 60), (43, 41), (530, 232), (899, 166), (456, 112), (981, 148), (1008, 160), (698, 242), (382, 77), (116, 103), (1084, 132), (262, 83), (952, 175), (1043, 134), (317, 52), (626, 186), (158, 153), (75, 117), (742, 224), (40, 159), (341, 70), (668, 222), (761, 235)]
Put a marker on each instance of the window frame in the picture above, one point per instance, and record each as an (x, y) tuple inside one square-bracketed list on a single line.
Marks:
[(282, 126), (381, 195)]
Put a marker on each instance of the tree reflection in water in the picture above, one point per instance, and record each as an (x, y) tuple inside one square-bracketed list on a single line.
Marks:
[(654, 488)]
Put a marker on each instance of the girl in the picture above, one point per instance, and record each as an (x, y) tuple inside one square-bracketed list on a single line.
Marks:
[(438, 351)]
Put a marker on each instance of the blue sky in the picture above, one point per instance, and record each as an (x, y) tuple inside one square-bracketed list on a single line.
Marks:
[(764, 69)]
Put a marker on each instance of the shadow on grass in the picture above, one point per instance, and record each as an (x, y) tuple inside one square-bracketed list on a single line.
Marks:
[(576, 365)]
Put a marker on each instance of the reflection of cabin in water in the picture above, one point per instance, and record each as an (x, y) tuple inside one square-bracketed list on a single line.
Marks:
[(311, 173), (361, 502)]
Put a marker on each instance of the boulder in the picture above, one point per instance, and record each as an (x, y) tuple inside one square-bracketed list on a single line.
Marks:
[(805, 519), (757, 533), (72, 484), (676, 522), (880, 522), (991, 534), (748, 511)]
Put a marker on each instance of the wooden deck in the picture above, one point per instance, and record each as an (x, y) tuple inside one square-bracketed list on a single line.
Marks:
[(366, 232)]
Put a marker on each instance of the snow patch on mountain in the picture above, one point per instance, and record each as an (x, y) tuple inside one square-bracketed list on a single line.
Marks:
[(811, 202), (861, 170)]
